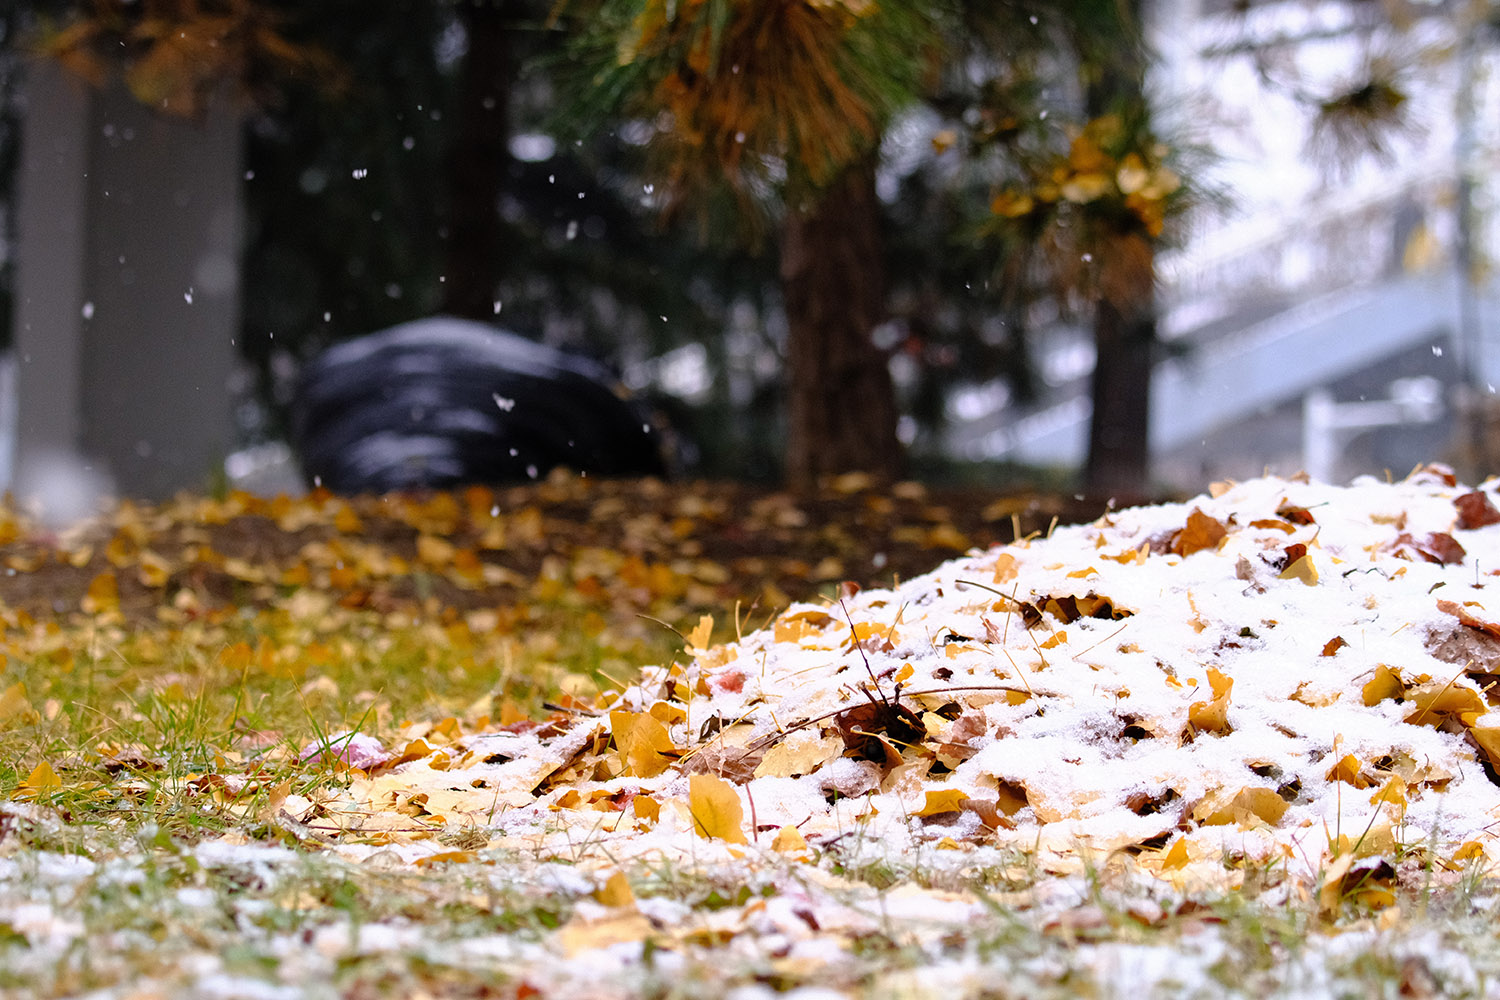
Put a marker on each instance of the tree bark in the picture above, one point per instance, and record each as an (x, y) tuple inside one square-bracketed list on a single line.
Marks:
[(1119, 456), (480, 156), (841, 405), (1119, 425)]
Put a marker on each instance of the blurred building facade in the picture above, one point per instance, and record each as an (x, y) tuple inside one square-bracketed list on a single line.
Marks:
[(1337, 319)]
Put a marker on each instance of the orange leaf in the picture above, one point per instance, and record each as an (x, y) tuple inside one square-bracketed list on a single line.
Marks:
[(1465, 618), (1201, 532)]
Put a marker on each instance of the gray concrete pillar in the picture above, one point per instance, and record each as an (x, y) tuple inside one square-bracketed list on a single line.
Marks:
[(127, 288)]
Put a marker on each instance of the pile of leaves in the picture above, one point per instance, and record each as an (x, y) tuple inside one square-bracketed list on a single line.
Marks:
[(1045, 760)]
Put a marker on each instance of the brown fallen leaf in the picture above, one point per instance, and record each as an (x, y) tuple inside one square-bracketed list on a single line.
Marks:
[(1201, 532), (1475, 511), (1437, 547)]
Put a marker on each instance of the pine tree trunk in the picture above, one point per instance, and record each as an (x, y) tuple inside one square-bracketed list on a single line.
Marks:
[(841, 406), (479, 160), (1119, 453)]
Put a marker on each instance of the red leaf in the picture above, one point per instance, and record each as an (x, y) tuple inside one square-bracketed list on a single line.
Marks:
[(1437, 547), (1295, 514), (1476, 511)]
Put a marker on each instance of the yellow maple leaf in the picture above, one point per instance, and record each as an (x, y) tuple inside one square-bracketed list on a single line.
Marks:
[(697, 639), (875, 630), (1347, 770), (15, 707), (434, 551), (668, 712), (1130, 557), (1302, 569), (103, 595), (1176, 858), (1005, 567), (153, 570), (1262, 803), (1467, 851), (801, 753), (943, 800), (1393, 792), (445, 858), (1432, 703), (643, 743), (41, 779), (715, 807), (789, 840), (1213, 716), (1385, 684), (1248, 806), (646, 808), (346, 521), (615, 891), (1488, 738)]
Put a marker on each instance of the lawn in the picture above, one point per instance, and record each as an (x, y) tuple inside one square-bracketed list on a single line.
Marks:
[(630, 739)]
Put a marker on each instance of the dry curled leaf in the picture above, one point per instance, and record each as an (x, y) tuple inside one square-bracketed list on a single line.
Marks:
[(1213, 716), (1201, 532)]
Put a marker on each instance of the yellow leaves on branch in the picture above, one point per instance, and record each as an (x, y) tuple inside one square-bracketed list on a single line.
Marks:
[(175, 55), (1103, 164)]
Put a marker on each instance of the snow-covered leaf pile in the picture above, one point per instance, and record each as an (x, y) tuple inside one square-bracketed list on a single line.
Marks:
[(1281, 672)]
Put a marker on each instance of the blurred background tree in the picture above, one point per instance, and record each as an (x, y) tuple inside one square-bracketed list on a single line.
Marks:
[(916, 188)]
